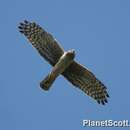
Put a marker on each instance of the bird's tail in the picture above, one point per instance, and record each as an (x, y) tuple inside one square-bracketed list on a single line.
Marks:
[(48, 81)]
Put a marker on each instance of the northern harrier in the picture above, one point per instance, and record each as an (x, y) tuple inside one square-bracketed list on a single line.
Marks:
[(63, 63)]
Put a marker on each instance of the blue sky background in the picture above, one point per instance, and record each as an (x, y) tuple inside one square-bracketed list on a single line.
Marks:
[(99, 31)]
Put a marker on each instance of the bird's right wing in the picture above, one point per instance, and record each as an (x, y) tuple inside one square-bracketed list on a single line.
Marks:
[(85, 80), (43, 41)]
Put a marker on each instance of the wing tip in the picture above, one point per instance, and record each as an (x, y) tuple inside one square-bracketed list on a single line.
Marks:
[(22, 26)]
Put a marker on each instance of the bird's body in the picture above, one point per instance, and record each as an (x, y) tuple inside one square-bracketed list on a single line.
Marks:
[(65, 60), (63, 64)]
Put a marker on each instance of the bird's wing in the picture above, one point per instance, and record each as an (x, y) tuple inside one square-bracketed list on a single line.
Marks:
[(44, 42), (85, 80)]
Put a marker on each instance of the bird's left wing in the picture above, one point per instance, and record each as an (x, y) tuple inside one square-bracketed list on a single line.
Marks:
[(43, 41), (85, 80)]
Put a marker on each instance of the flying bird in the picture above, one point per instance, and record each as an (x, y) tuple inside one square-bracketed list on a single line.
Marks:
[(63, 63)]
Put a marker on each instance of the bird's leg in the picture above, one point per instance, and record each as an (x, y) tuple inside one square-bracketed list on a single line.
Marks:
[(65, 60)]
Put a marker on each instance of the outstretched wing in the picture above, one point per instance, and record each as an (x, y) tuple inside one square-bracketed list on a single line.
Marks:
[(86, 81), (43, 41)]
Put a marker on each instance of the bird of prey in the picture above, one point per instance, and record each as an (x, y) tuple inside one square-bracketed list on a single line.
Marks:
[(63, 63)]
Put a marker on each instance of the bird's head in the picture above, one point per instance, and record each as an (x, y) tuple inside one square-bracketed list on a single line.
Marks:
[(71, 53)]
